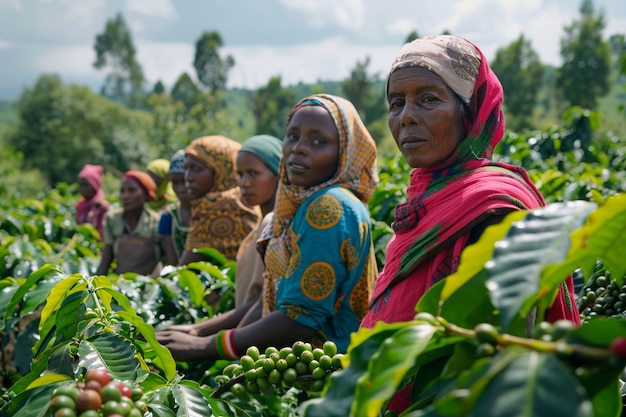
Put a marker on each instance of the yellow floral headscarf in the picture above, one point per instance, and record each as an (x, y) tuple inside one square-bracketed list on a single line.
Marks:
[(357, 161)]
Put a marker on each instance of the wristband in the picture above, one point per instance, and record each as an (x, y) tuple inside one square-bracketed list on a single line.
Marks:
[(225, 344)]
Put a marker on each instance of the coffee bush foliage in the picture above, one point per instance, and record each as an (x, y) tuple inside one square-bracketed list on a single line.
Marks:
[(467, 351)]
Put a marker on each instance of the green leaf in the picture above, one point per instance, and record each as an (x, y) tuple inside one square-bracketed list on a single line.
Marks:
[(69, 314), (539, 240), (190, 282), (48, 379), (112, 352), (388, 366), (28, 286), (602, 236), (159, 410), (533, 384), (164, 359), (29, 403), (215, 257), (338, 399), (607, 401), (190, 401), (54, 300), (35, 298)]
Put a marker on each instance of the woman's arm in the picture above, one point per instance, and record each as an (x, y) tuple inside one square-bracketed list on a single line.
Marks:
[(227, 320), (105, 260), (275, 329)]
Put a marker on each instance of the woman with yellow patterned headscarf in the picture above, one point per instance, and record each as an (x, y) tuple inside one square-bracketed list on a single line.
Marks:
[(159, 170), (219, 219), (318, 252)]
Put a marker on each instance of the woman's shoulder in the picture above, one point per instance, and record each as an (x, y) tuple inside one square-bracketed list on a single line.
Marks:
[(114, 212), (342, 195), (332, 204)]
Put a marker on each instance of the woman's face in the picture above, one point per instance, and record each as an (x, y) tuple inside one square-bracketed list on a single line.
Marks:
[(199, 178), (86, 189), (425, 116), (132, 195), (178, 185), (311, 147), (257, 182)]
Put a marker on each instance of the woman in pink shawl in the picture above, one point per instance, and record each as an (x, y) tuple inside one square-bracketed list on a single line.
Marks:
[(445, 116), (92, 206)]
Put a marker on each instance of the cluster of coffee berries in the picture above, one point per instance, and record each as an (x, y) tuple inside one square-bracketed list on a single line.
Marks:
[(602, 296), (300, 366), (487, 338), (97, 396)]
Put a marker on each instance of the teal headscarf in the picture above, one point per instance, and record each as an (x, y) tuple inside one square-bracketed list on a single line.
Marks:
[(267, 148)]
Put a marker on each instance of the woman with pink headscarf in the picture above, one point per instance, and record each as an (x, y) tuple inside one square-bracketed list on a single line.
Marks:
[(92, 206), (446, 118)]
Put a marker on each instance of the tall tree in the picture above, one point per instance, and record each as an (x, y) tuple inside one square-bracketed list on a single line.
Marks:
[(520, 71), (211, 69), (115, 50), (270, 106), (412, 36), (359, 90), (585, 74), (62, 128), (186, 90)]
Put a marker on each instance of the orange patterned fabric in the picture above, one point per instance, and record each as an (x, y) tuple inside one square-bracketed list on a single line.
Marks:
[(219, 219)]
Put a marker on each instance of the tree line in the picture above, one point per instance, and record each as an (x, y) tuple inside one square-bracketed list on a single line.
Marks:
[(61, 127)]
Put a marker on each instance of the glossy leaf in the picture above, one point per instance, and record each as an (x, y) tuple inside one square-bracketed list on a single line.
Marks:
[(164, 359), (388, 367), (28, 285), (526, 387), (603, 236), (190, 282), (112, 352), (190, 401), (338, 399)]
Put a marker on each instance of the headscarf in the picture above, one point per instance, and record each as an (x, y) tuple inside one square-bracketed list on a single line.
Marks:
[(160, 168), (219, 219), (177, 163), (145, 181), (219, 154), (430, 233), (357, 161), (268, 149), (93, 175)]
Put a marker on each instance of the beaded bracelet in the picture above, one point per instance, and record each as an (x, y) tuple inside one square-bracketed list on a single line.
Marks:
[(225, 344)]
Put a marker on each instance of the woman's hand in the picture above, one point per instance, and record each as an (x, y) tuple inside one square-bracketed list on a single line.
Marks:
[(189, 329), (185, 347)]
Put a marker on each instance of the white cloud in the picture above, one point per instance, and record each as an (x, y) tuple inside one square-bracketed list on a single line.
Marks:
[(165, 61), (67, 61), (330, 59), (83, 13), (152, 8), (5, 44), (348, 14), (402, 27)]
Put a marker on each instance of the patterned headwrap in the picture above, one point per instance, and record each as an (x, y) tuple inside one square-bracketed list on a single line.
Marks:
[(160, 168), (219, 219), (145, 181), (464, 68), (219, 154), (357, 160), (177, 163)]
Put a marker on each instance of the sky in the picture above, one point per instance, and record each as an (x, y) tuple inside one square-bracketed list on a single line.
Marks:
[(300, 40)]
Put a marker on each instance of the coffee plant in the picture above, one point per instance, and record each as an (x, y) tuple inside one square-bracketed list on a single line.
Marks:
[(468, 351)]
